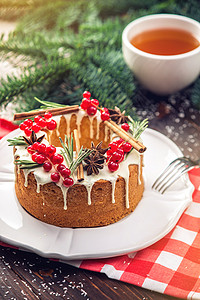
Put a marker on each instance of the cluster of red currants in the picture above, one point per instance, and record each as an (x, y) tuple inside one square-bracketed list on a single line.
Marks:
[(48, 158), (91, 105), (39, 122), (116, 153)]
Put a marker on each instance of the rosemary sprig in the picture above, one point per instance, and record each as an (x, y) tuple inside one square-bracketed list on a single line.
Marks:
[(26, 164), (17, 141), (137, 127), (68, 147), (68, 153), (83, 153), (48, 104)]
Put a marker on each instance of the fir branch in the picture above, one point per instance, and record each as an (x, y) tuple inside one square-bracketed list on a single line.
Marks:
[(17, 141), (45, 73), (52, 31), (27, 164)]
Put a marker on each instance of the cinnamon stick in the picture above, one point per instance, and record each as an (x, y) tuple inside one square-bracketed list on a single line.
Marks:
[(125, 136), (54, 111), (80, 173)]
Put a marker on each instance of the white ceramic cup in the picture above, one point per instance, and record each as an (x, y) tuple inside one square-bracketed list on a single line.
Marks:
[(162, 74)]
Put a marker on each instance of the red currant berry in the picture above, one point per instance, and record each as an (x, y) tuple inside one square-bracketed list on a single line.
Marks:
[(34, 156), (22, 126), (28, 123), (85, 103), (51, 125), (27, 131), (30, 149), (35, 145), (125, 126), (40, 159), (120, 150), (87, 95), (91, 110), (105, 116), (47, 166), (113, 146), (127, 147), (119, 141), (95, 102), (36, 128), (57, 159), (50, 150), (65, 172), (41, 148), (113, 166), (105, 109), (37, 119), (55, 177), (117, 157), (60, 167), (42, 123), (109, 152), (47, 115), (68, 182)]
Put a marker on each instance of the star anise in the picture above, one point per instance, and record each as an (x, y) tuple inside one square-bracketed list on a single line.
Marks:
[(93, 163), (33, 138), (99, 149), (117, 116)]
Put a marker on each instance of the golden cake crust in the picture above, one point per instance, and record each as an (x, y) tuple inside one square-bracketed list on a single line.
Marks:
[(47, 205)]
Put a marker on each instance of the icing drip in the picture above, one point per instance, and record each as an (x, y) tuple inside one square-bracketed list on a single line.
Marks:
[(89, 189), (64, 191), (58, 125), (26, 172), (139, 171), (38, 187), (107, 130), (91, 128), (127, 192), (113, 190), (98, 119), (79, 117), (67, 118)]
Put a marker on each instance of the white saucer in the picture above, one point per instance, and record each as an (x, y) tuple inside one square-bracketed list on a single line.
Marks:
[(153, 218)]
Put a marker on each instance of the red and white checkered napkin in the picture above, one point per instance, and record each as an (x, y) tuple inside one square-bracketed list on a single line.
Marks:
[(170, 266)]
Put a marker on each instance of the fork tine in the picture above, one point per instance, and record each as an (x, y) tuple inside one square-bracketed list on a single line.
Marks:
[(165, 173), (185, 170), (167, 180)]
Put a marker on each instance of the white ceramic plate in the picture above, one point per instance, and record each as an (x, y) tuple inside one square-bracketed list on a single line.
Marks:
[(153, 218)]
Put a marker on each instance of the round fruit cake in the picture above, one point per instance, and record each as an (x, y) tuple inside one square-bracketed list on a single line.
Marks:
[(78, 166)]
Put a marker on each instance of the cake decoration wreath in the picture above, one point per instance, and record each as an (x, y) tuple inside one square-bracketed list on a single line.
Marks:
[(71, 163)]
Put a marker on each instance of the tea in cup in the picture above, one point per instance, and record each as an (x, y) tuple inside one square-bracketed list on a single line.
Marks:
[(163, 51)]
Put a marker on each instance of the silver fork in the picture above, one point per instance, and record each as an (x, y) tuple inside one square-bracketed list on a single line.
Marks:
[(173, 172)]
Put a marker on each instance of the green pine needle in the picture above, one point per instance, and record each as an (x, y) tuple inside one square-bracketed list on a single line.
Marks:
[(27, 164), (17, 141), (68, 153), (48, 104), (137, 127)]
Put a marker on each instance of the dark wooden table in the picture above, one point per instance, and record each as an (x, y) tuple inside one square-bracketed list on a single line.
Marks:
[(26, 275)]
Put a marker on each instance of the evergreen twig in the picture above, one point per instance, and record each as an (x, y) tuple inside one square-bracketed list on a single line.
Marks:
[(27, 164), (17, 141)]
